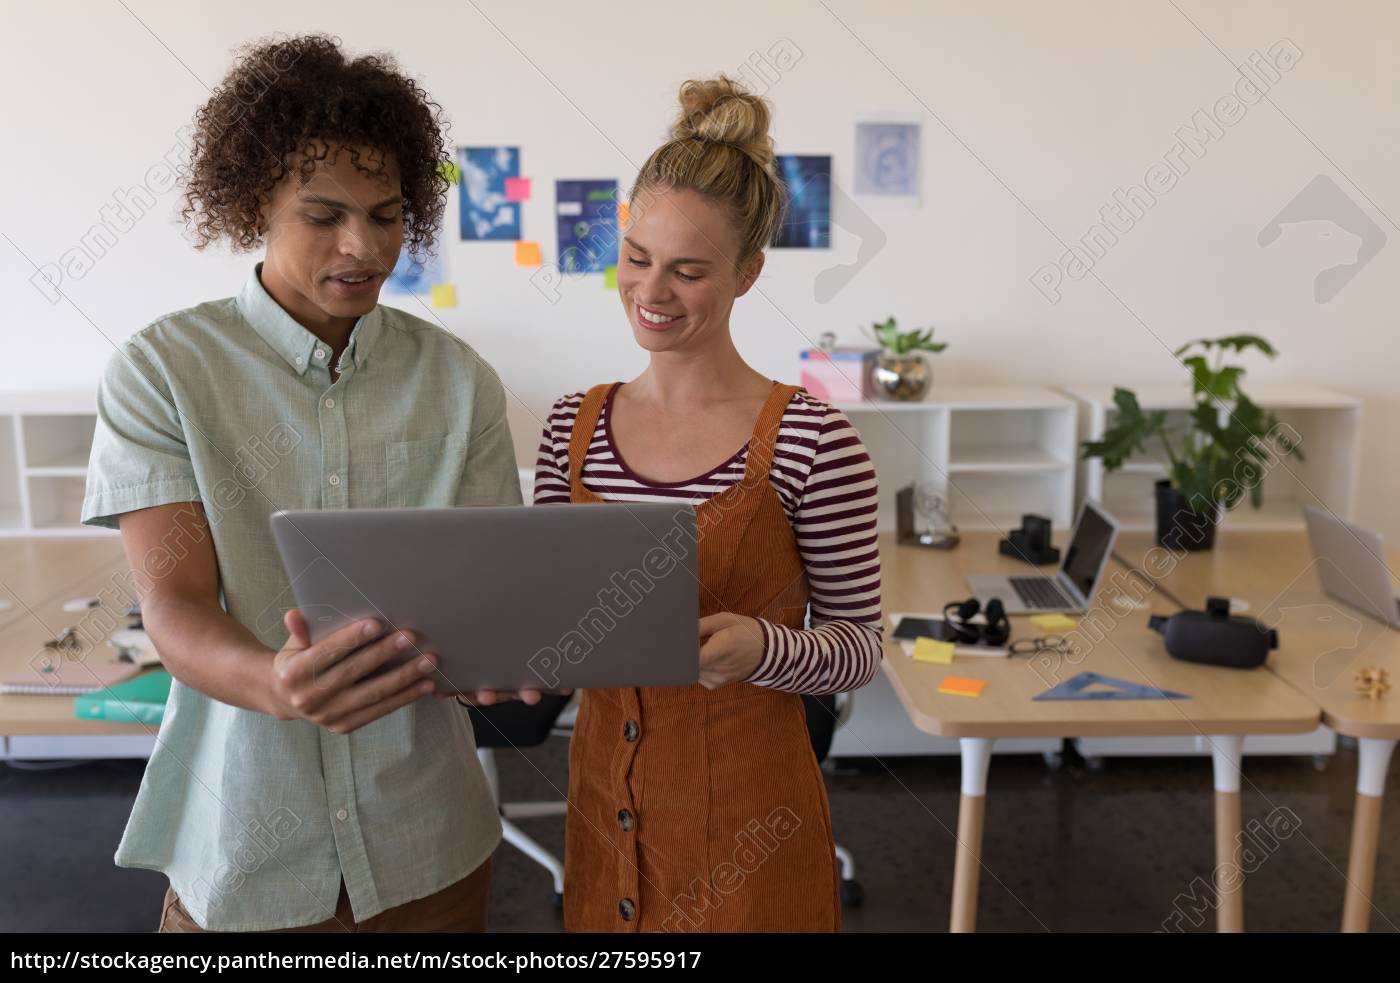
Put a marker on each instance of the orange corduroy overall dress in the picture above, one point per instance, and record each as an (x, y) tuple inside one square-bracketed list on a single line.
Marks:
[(694, 809)]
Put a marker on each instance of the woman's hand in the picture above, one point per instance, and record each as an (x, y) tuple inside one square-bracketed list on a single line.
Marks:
[(731, 649)]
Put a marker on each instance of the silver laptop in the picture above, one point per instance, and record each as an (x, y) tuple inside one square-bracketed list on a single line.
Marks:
[(552, 596), (1073, 586), (1351, 565)]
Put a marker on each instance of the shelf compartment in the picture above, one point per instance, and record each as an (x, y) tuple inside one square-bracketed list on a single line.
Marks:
[(63, 442), (987, 501), (56, 503)]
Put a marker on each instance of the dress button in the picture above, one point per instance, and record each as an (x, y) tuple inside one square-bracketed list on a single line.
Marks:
[(630, 730), (625, 820), (342, 815), (627, 909), (330, 404), (334, 479)]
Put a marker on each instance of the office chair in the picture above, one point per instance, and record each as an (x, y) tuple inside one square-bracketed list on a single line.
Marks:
[(824, 715), (516, 725)]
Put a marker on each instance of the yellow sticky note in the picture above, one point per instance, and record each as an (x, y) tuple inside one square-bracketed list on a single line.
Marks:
[(932, 650), (444, 295), (961, 686), (1054, 622), (450, 171), (622, 214), (610, 278), (528, 254)]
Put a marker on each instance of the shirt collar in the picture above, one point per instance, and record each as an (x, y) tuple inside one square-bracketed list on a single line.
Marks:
[(292, 341)]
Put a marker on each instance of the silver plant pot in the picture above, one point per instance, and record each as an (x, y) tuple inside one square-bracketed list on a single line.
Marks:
[(902, 377)]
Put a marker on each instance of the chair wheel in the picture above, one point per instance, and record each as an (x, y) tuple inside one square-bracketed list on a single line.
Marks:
[(557, 900), (852, 894)]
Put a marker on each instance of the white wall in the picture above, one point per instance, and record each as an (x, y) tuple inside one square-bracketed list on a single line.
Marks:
[(1033, 115)]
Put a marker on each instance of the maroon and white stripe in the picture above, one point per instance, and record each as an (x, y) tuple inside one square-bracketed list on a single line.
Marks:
[(827, 485)]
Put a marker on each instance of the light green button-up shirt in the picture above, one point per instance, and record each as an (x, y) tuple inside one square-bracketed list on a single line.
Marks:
[(255, 820)]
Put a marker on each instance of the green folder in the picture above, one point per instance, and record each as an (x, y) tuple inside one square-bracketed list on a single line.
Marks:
[(140, 700)]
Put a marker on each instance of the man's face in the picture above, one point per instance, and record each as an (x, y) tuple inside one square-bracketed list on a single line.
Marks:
[(333, 240)]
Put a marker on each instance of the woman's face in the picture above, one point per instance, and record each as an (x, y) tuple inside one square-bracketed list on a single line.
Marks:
[(679, 271)]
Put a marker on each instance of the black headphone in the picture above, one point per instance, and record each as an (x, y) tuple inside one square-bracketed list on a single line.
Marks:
[(958, 615)]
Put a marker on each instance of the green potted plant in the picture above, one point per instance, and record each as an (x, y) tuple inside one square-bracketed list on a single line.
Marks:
[(901, 371), (1219, 456)]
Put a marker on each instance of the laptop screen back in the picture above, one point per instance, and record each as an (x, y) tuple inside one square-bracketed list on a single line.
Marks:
[(1093, 538)]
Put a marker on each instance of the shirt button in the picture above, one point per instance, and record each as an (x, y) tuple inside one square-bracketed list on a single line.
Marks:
[(330, 404), (300, 360), (630, 730), (320, 354), (624, 819), (335, 479), (342, 815), (627, 909)]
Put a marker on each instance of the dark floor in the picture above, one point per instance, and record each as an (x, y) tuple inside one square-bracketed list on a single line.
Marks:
[(1066, 850)]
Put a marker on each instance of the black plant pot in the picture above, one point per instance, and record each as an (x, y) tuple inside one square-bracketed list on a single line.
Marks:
[(1178, 526)]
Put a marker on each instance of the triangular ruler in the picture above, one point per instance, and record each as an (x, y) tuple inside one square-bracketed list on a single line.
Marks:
[(1077, 688)]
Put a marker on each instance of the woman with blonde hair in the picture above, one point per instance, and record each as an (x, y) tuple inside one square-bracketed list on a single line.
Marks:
[(702, 808)]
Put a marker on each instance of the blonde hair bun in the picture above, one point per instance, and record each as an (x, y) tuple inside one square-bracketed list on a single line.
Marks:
[(720, 110)]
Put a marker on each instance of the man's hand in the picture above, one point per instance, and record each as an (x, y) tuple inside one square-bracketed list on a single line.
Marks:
[(336, 683)]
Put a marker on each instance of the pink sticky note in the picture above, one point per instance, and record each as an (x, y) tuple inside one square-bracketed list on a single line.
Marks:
[(517, 189)]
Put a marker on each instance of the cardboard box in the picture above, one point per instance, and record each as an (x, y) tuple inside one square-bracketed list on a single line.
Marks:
[(839, 375)]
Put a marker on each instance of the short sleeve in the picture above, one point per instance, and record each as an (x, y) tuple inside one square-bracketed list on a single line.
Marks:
[(492, 477), (139, 455)]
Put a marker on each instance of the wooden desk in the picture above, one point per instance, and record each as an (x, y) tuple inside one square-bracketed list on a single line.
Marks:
[(1223, 705), (1322, 642), (38, 575)]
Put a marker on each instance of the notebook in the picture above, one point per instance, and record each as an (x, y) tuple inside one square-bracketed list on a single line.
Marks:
[(69, 677), (140, 700)]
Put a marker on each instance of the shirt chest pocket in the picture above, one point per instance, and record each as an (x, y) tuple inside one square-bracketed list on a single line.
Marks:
[(425, 473)]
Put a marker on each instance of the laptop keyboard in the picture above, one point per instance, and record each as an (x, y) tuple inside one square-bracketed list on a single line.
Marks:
[(1039, 592)]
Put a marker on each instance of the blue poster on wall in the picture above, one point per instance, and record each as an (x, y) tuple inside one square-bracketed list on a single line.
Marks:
[(416, 275), (807, 224), (487, 211), (586, 213)]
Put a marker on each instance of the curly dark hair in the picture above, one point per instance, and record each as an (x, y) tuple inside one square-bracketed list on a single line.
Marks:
[(301, 95)]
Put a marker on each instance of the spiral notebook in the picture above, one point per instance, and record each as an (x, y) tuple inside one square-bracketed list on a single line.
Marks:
[(69, 678)]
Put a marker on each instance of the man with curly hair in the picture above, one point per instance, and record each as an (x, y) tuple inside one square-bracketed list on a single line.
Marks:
[(296, 786)]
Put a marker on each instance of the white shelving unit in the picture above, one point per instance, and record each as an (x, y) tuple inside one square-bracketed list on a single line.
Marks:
[(998, 452), (45, 440), (1328, 422)]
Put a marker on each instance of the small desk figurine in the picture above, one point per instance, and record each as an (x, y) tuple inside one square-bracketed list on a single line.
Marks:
[(1372, 682), (926, 498), (66, 643)]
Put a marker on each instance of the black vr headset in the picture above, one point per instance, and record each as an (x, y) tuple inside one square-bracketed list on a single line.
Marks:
[(1215, 637)]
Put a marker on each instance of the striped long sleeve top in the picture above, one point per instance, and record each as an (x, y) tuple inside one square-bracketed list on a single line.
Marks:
[(827, 486)]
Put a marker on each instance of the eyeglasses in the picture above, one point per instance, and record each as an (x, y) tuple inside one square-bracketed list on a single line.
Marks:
[(1035, 646)]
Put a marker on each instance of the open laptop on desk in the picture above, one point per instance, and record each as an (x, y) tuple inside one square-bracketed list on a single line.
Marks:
[(1072, 587), (1351, 565)]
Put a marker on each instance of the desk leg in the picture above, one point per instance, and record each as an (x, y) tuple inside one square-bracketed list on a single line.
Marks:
[(1365, 830), (967, 865), (1225, 752)]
